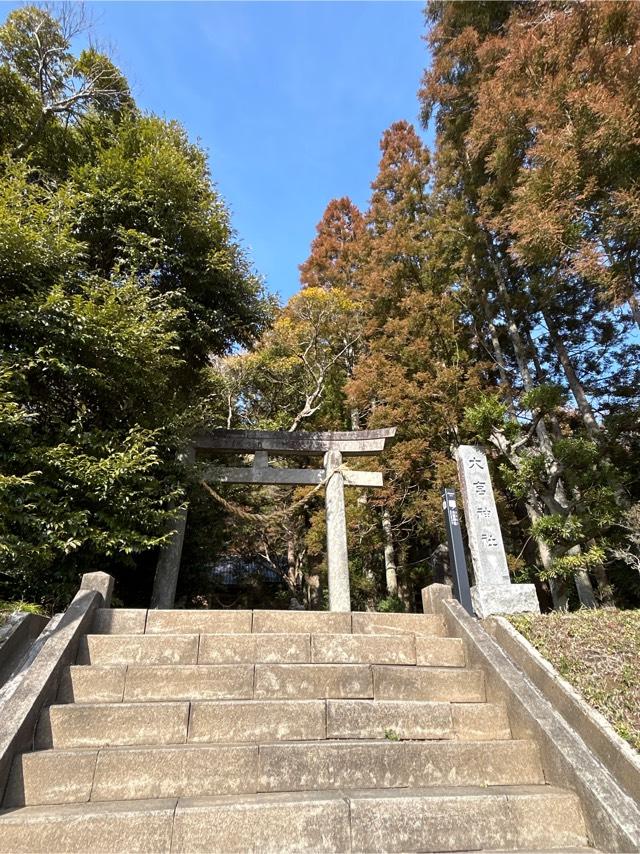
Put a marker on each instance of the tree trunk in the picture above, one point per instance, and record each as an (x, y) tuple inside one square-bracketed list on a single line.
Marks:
[(314, 592), (582, 581), (559, 592), (635, 309), (391, 574), (497, 352), (588, 416)]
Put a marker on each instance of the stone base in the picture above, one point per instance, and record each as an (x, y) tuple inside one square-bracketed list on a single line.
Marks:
[(504, 599)]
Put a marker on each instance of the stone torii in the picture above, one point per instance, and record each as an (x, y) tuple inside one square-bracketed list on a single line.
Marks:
[(332, 446)]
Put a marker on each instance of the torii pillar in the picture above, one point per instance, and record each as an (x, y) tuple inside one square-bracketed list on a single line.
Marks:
[(336, 521)]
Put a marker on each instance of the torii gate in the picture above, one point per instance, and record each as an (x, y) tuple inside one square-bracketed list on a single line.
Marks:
[(333, 446)]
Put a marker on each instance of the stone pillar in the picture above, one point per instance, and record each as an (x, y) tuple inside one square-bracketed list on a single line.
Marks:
[(337, 557), (493, 592), (101, 583), (168, 566)]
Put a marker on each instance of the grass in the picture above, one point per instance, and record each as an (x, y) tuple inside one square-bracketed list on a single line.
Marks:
[(7, 608), (598, 652)]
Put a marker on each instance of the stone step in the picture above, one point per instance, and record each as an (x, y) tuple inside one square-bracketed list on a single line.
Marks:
[(252, 648), (415, 719), (157, 683), (387, 649), (112, 723), (307, 766), (113, 683), (332, 648), (357, 681), (513, 818), (197, 770), (102, 724), (198, 622), (370, 623), (426, 683), (138, 649), (133, 621)]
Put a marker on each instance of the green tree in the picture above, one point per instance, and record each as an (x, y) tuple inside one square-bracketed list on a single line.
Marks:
[(120, 275)]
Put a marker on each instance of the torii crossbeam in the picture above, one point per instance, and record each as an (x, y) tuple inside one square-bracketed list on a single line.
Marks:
[(333, 446)]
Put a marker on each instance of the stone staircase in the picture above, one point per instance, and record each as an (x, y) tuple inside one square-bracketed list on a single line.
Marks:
[(190, 731)]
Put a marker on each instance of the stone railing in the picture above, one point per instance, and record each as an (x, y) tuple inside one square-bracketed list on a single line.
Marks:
[(36, 684)]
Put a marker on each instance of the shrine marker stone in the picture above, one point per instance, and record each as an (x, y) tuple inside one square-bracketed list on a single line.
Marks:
[(493, 592)]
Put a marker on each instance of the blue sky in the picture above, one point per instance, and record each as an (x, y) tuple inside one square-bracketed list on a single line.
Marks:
[(289, 99)]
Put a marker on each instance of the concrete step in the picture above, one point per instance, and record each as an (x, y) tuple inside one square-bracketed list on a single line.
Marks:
[(513, 818), (132, 621), (426, 683), (396, 764), (119, 621), (252, 648), (257, 721), (387, 649), (154, 723), (415, 719), (112, 723), (371, 623), (138, 649), (198, 622), (298, 647), (113, 683), (197, 770), (357, 681)]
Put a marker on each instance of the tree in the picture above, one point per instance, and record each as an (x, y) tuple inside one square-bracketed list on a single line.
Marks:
[(119, 275), (57, 90), (516, 88)]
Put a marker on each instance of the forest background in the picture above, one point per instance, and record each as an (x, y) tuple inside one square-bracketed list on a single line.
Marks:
[(488, 294)]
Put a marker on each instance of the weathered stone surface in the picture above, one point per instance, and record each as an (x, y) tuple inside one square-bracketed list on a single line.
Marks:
[(494, 593), (101, 583), (285, 622), (439, 652), (457, 820), (553, 818), (370, 623), (189, 682), (427, 683), (97, 684), (257, 721), (117, 723), (312, 681), (375, 718), (336, 531), (198, 622), (262, 823), (251, 648), (363, 649), (110, 828), (189, 771), (396, 764), (474, 721), (119, 621), (53, 651), (51, 777), (17, 635), (508, 599), (138, 649)]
